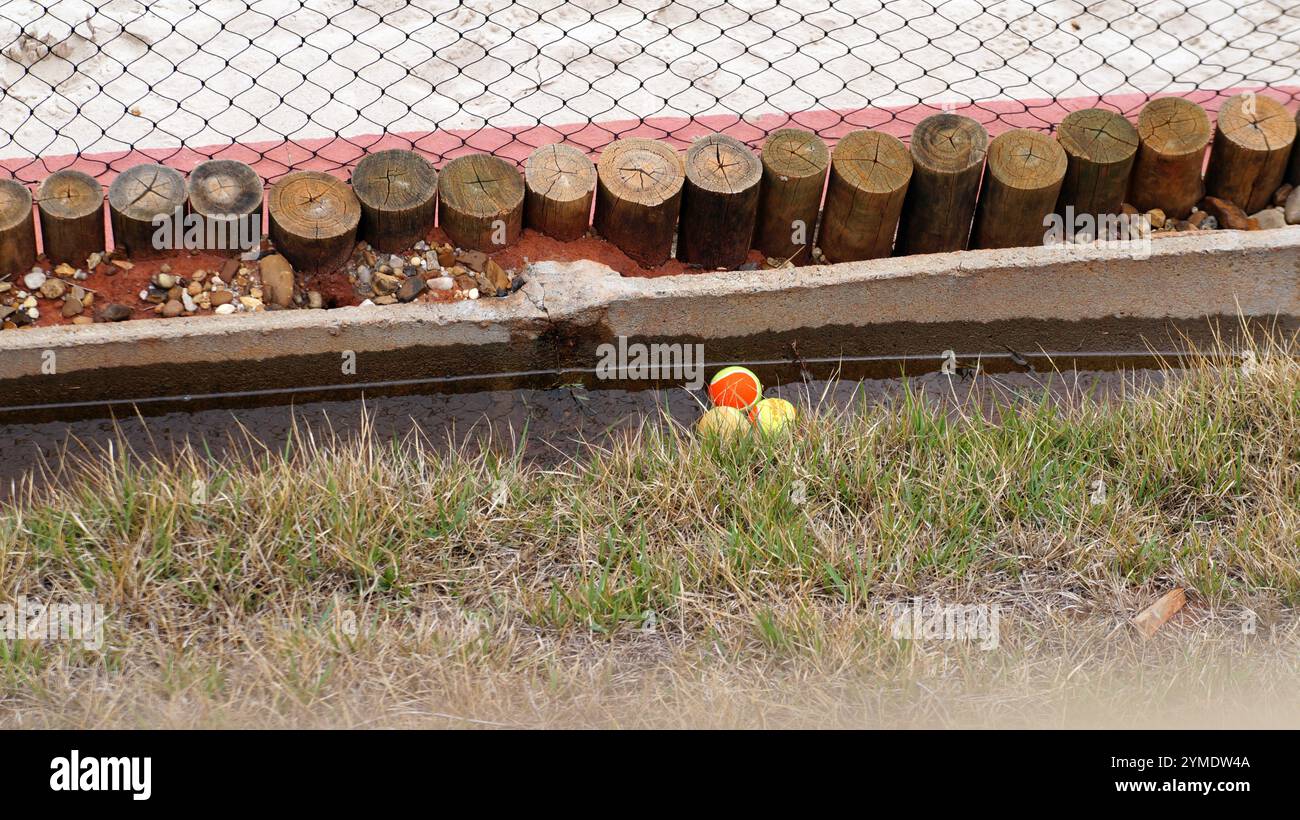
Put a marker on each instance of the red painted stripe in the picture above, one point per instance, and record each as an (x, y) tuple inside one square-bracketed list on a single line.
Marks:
[(337, 155)]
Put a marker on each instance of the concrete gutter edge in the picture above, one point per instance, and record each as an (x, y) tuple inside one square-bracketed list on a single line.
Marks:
[(553, 320)]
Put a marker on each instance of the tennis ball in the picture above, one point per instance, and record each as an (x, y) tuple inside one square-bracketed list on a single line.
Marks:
[(735, 387), (773, 415), (723, 422)]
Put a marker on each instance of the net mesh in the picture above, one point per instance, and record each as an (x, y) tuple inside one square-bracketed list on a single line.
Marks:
[(101, 86)]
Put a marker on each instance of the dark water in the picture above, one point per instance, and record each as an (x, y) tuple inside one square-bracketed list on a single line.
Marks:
[(552, 424)]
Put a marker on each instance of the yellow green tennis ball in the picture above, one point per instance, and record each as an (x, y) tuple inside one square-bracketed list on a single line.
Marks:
[(773, 415), (723, 422), (735, 387)]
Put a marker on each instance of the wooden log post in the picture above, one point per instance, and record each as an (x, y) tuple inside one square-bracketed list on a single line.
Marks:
[(1293, 169), (948, 153), (1252, 145), (1100, 147), (870, 174), (638, 194), (313, 218), (1173, 135), (17, 228), (1021, 183), (227, 195), (137, 199), (398, 191), (794, 176), (719, 202), (71, 208), (482, 202), (559, 183)]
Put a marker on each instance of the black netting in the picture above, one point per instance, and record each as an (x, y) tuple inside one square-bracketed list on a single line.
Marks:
[(285, 85)]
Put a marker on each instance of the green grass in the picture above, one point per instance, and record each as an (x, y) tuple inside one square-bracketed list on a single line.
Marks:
[(662, 558)]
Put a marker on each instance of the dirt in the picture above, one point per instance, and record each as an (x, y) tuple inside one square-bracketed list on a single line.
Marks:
[(110, 283), (535, 247)]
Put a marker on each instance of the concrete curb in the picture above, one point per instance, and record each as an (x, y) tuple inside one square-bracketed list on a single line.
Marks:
[(1085, 302)]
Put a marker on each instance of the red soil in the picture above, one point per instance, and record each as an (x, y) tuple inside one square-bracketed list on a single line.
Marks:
[(537, 247), (111, 284)]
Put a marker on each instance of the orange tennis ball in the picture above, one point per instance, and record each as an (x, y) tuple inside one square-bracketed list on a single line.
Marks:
[(773, 415), (735, 387), (723, 422)]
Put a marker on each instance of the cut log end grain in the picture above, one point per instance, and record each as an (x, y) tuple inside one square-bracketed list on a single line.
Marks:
[(227, 195), (722, 164), (795, 154), (794, 175), (560, 182), (1099, 136), (314, 219), (1173, 126), (1022, 181), (398, 191), (17, 229), (1252, 146), (719, 202), (870, 173), (15, 202), (638, 195), (642, 171), (1100, 147), (949, 143), (948, 152), (1026, 160), (70, 195), (71, 208), (482, 202), (225, 187), (1173, 135), (1257, 123)]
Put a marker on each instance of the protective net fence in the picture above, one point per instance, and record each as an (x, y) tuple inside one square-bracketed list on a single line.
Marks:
[(286, 85)]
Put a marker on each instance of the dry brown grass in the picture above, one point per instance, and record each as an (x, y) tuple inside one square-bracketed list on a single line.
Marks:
[(673, 581)]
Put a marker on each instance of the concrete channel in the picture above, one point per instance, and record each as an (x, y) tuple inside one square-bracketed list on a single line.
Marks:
[(1072, 307)]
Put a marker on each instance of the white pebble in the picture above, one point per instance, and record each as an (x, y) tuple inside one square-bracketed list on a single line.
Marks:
[(223, 310), (441, 283), (35, 279), (366, 303), (473, 293)]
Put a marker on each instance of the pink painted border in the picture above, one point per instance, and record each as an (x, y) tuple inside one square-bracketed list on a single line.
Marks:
[(338, 154)]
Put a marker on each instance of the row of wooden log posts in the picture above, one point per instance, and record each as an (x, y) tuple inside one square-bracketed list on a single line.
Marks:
[(951, 190)]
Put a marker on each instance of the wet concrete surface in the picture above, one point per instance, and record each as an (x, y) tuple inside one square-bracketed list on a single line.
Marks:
[(552, 424)]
